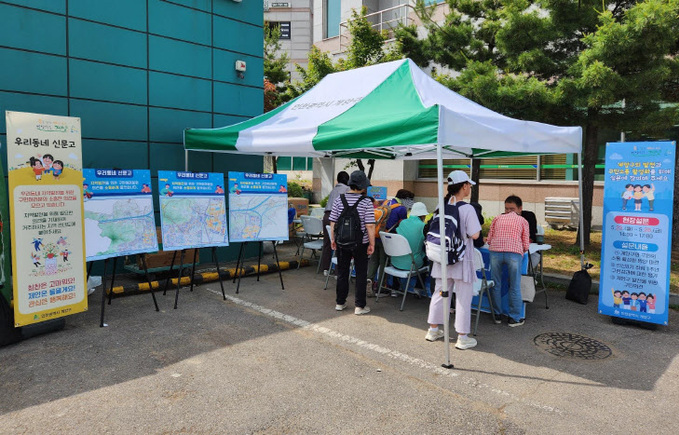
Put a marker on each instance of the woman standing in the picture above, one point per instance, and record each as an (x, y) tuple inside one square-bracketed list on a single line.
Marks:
[(461, 275)]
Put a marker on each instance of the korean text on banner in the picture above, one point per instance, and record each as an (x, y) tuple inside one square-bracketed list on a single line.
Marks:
[(636, 242), (44, 159)]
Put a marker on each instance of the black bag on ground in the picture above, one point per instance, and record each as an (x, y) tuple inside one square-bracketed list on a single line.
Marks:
[(579, 287), (348, 232)]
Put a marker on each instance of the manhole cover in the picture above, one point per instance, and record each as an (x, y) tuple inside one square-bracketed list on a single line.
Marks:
[(572, 346)]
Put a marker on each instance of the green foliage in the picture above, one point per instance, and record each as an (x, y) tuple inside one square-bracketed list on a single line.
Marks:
[(324, 201), (275, 68), (319, 66), (295, 190)]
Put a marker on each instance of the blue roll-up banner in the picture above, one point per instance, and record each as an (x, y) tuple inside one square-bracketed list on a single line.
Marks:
[(637, 231)]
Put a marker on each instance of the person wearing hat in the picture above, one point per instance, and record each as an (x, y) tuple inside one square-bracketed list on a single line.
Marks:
[(461, 275), (358, 185)]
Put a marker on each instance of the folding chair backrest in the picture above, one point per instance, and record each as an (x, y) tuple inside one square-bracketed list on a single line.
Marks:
[(395, 245), (312, 225), (317, 212), (329, 233), (540, 231), (478, 260)]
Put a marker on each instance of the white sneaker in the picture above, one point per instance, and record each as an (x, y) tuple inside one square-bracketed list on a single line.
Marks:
[(465, 342), (339, 307), (433, 335), (359, 311), (325, 272), (369, 293)]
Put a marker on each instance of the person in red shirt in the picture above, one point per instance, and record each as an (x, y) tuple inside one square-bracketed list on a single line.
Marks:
[(508, 241)]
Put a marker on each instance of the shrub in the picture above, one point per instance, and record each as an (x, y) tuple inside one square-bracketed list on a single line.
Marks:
[(295, 190), (324, 201)]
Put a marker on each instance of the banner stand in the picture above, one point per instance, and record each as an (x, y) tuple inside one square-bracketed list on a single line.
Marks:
[(638, 324), (113, 278), (239, 263), (193, 272)]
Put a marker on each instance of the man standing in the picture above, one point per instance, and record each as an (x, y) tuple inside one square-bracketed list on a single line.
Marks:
[(340, 188), (358, 184), (507, 241)]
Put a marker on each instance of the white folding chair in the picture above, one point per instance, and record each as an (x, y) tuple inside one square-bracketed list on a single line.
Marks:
[(395, 245), (317, 212), (313, 227), (482, 286)]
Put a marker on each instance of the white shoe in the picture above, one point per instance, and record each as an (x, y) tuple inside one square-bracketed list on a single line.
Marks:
[(465, 342), (369, 293), (433, 335), (339, 307), (359, 311), (325, 272)]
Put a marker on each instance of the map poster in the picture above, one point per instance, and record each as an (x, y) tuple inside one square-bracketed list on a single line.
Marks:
[(44, 159), (637, 232), (379, 193), (258, 207), (192, 210), (119, 216)]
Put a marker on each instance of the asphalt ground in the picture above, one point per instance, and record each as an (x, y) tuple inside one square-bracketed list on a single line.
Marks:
[(284, 361)]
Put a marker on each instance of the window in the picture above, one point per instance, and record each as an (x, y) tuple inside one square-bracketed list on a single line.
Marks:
[(284, 26), (333, 13), (295, 163)]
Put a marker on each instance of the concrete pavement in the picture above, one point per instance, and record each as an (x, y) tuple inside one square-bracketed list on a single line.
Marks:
[(284, 361)]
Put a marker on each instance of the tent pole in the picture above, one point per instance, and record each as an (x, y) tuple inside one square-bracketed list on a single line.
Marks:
[(186, 160), (444, 260), (582, 218)]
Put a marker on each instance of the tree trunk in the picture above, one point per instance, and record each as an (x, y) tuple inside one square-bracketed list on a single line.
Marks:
[(371, 165), (360, 165), (590, 154), (476, 173), (275, 164)]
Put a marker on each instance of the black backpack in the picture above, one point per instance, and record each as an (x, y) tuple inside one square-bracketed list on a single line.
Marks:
[(454, 243), (348, 232)]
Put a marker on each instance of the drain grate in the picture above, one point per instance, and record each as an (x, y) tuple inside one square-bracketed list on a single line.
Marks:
[(569, 345)]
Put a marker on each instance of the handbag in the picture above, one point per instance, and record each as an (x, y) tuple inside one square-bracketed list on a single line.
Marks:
[(527, 288)]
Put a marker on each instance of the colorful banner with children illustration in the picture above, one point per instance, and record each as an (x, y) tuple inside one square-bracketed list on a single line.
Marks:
[(119, 216), (192, 210), (44, 159), (637, 231)]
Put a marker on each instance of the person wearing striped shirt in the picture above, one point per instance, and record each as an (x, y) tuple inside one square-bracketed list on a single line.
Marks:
[(508, 241), (358, 185)]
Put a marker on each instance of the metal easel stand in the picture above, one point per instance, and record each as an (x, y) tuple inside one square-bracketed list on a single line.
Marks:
[(239, 264)]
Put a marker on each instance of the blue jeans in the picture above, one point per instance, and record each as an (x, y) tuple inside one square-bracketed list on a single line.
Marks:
[(513, 262)]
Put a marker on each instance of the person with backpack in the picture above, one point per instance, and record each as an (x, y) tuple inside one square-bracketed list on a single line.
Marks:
[(340, 188), (352, 225), (462, 274)]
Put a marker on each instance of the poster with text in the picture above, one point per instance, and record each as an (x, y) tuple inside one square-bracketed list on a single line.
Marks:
[(44, 160), (637, 231), (258, 207), (192, 210), (119, 216), (379, 193)]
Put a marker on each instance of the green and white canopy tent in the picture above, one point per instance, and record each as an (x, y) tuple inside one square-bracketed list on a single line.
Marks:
[(392, 111)]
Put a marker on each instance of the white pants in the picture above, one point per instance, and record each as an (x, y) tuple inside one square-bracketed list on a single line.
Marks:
[(463, 305)]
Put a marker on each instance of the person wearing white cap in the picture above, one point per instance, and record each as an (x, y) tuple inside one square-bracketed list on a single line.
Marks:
[(461, 275)]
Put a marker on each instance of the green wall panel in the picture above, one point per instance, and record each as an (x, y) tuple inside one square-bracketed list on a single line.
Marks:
[(106, 44), (237, 36), (179, 57), (107, 82), (32, 30), (225, 62), (110, 120), (30, 103), (122, 13), (57, 6), (248, 11), (114, 154), (25, 71), (232, 99), (167, 90), (179, 22), (167, 125)]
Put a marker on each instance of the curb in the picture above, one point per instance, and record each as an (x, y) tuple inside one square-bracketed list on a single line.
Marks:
[(204, 277)]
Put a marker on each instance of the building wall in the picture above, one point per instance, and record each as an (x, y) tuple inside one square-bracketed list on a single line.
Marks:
[(137, 73), (299, 14)]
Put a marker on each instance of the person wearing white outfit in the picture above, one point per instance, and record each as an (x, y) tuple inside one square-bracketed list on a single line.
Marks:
[(461, 275)]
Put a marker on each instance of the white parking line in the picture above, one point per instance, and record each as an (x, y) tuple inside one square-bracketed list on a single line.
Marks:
[(394, 354)]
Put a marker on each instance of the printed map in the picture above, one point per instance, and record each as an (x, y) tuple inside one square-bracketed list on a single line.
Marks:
[(193, 222), (256, 217), (119, 226)]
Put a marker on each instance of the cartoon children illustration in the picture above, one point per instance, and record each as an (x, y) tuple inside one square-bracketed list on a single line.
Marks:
[(145, 188), (282, 189), (638, 195), (62, 241), (235, 189), (627, 195), (219, 189), (57, 168), (626, 300), (36, 259), (166, 191), (37, 243), (649, 190), (87, 193), (64, 254), (617, 298), (47, 162), (635, 302), (37, 167), (650, 301), (642, 302)]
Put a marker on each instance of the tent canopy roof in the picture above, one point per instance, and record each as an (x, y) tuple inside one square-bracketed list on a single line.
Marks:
[(390, 110)]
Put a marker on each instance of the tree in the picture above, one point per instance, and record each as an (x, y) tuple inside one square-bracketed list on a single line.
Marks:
[(562, 62), (275, 69)]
